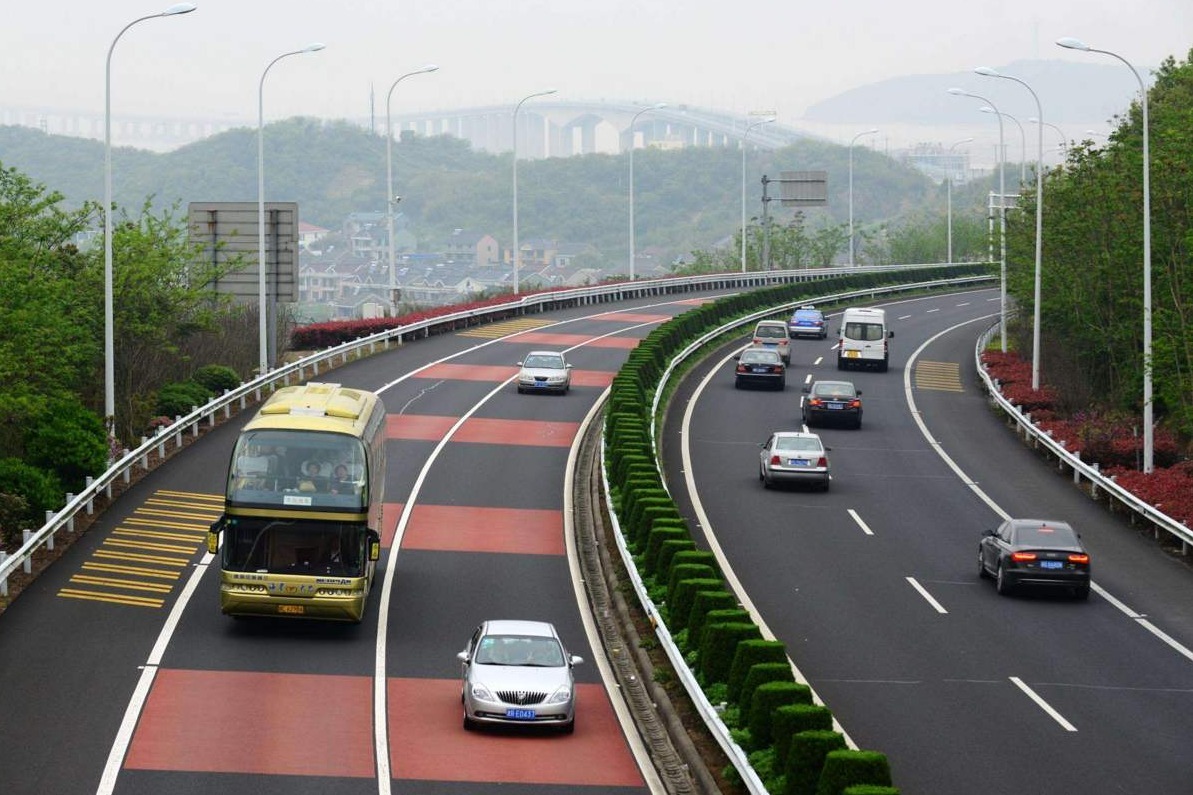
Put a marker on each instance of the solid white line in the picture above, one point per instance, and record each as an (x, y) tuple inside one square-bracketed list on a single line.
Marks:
[(132, 713), (1044, 705), (865, 527), (927, 596), (1152, 628), (1102, 592)]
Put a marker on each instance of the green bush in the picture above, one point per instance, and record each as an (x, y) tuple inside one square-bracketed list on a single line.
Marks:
[(870, 789), (67, 439), (39, 489), (216, 378), (695, 556), (691, 571), (791, 719), (660, 534), (728, 615), (759, 675), (718, 642), (749, 654), (679, 604), (180, 398), (806, 760), (767, 698), (845, 768), (647, 517), (706, 601)]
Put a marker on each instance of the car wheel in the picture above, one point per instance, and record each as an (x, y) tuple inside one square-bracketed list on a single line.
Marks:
[(824, 486), (982, 573), (521, 391), (1002, 583), (762, 477), (569, 727), (469, 723), (782, 383), (736, 384), (882, 368), (1081, 592), (857, 424), (840, 363)]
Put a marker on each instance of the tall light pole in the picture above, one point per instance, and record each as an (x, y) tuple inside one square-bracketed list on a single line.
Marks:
[(262, 325), (1148, 439), (390, 199), (1022, 141), (1064, 141), (1002, 216), (986, 71), (950, 198), (517, 246), (633, 121), (744, 139), (109, 322), (851, 143)]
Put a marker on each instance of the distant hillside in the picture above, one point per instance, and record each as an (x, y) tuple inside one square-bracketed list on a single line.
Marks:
[(684, 199), (1069, 92)]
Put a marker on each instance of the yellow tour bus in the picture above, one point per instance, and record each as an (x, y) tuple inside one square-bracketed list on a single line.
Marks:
[(302, 513)]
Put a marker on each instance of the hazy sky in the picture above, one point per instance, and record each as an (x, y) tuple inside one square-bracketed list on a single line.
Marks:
[(738, 56)]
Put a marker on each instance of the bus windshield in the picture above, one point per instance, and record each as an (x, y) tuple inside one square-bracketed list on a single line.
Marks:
[(289, 546), (299, 469)]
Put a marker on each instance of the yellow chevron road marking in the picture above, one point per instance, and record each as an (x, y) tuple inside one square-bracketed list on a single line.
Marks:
[(137, 570), (176, 562), (111, 582), (133, 601), (505, 328), (944, 376), (158, 534)]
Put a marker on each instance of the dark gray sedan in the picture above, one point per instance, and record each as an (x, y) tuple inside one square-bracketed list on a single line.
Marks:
[(1041, 552), (759, 366)]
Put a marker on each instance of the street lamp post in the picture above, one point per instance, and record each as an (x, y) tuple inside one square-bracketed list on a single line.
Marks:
[(633, 121), (1022, 142), (1148, 438), (1002, 216), (1064, 141), (390, 198), (986, 71), (262, 325), (851, 143), (109, 321), (517, 246), (744, 138), (950, 198)]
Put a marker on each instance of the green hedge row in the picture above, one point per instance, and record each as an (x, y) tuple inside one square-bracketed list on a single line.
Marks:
[(771, 714)]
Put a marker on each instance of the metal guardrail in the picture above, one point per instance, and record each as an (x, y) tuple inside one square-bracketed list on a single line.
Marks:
[(707, 710), (169, 438), (1090, 472)]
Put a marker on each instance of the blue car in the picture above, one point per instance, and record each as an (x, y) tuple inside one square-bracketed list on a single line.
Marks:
[(807, 321)]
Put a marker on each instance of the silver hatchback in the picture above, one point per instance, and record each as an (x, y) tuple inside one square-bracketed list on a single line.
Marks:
[(518, 672)]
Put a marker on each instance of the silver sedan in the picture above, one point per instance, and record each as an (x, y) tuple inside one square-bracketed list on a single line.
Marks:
[(794, 457), (544, 371), (518, 672)]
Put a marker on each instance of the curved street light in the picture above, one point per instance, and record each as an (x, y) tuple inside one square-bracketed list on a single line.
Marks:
[(390, 199), (986, 71), (109, 322), (1064, 141), (633, 121), (262, 324), (1148, 439), (871, 131), (517, 246), (1002, 216), (950, 199), (744, 138), (1022, 141)]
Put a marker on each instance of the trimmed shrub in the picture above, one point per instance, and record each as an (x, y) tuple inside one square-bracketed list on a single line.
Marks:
[(690, 571), (759, 675), (767, 698), (699, 556), (749, 654), (704, 602), (654, 542), (216, 378), (648, 515), (636, 503), (667, 551), (791, 719), (718, 643), (847, 767), (679, 604), (806, 760), (180, 398), (62, 436), (40, 490)]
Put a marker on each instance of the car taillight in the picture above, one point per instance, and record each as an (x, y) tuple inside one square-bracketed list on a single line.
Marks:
[(774, 459), (1020, 557), (855, 404), (1079, 558), (822, 462), (814, 401), (757, 341)]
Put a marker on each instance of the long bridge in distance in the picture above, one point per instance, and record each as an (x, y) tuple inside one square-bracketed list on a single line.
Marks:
[(546, 127)]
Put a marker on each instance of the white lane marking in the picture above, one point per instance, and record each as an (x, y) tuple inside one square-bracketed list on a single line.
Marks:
[(937, 606), (807, 380), (865, 527), (132, 713), (930, 311), (714, 545), (1042, 704), (819, 359), (903, 317), (915, 414), (965, 303)]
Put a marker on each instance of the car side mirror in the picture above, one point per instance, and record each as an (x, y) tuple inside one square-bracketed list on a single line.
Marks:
[(890, 333), (807, 390), (859, 393), (575, 659), (462, 656), (519, 364), (989, 532), (569, 366), (737, 357)]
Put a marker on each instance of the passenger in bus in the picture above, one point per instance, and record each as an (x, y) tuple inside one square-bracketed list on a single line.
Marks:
[(312, 478), (341, 482)]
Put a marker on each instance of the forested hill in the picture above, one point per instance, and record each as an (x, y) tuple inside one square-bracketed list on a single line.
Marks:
[(683, 199)]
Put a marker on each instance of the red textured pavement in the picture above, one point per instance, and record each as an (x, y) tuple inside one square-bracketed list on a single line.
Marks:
[(633, 317), (467, 529), (574, 340), (482, 430), (468, 372)]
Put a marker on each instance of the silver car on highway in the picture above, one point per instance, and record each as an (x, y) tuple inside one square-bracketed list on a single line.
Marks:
[(518, 672), (545, 371)]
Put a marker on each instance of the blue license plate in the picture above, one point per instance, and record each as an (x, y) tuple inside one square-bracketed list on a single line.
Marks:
[(797, 462), (520, 714), (836, 406), (762, 369), (539, 384), (1051, 564)]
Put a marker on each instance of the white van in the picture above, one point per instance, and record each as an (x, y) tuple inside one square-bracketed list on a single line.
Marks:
[(862, 339)]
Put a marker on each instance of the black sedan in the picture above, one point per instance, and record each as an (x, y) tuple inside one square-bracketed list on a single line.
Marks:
[(760, 366), (832, 401), (1034, 552)]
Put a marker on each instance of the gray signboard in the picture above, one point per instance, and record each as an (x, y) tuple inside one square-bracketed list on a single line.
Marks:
[(803, 188), (229, 229)]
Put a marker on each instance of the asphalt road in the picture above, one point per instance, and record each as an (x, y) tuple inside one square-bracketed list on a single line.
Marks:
[(874, 589), (119, 675)]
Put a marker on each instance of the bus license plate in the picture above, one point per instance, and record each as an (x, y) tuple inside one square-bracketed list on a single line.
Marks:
[(293, 610), (520, 714)]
